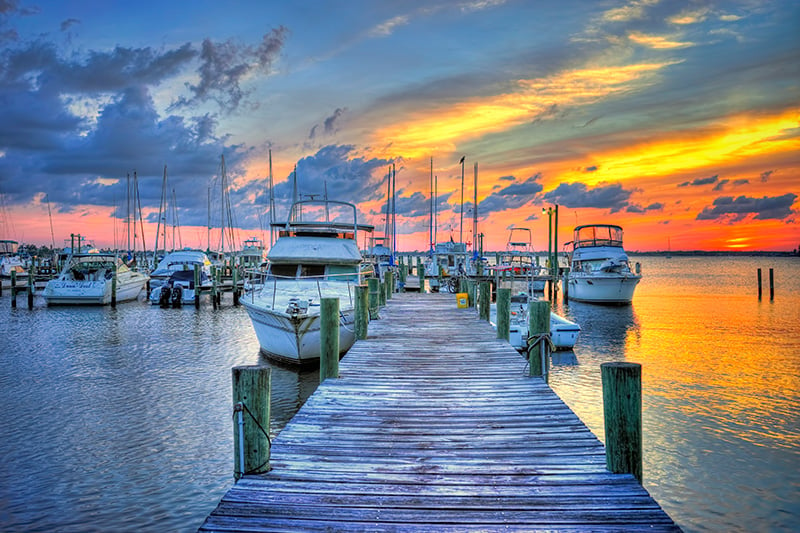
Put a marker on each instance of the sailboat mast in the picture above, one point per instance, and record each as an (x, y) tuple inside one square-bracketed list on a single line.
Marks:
[(430, 225), (475, 216), (394, 214), (271, 203), (222, 208), (128, 215)]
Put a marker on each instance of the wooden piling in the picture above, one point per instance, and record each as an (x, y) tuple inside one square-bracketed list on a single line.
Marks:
[(622, 413), (362, 311), (235, 281), (374, 285), (759, 283), (503, 313), (539, 328), (197, 286), (251, 399), (389, 284), (114, 285), (484, 300), (771, 285), (329, 338), (30, 288), (14, 289), (213, 287), (471, 287)]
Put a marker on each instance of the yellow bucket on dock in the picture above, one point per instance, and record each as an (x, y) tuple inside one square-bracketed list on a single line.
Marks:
[(462, 300)]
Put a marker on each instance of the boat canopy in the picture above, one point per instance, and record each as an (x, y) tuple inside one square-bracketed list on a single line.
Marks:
[(597, 235)]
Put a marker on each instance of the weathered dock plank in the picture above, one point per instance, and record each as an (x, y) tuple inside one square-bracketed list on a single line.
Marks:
[(433, 425)]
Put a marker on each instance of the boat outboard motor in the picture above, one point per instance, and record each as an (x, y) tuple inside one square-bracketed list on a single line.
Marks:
[(164, 296), (177, 296)]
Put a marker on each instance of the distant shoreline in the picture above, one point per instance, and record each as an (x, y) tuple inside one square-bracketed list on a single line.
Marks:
[(720, 253)]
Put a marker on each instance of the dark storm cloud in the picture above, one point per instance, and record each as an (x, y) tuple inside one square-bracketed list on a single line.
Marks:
[(224, 65), (348, 177), (512, 196), (633, 208), (700, 181), (70, 126), (736, 183), (574, 195), (730, 209)]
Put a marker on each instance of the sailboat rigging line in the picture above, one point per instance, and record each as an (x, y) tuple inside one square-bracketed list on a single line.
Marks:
[(138, 202)]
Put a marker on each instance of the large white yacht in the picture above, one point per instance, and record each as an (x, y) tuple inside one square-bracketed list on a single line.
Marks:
[(315, 256)]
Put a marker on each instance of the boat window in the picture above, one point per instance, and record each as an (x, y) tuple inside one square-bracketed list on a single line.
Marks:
[(312, 271), (283, 271)]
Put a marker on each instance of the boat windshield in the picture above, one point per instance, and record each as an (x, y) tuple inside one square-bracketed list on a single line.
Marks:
[(310, 271), (598, 235)]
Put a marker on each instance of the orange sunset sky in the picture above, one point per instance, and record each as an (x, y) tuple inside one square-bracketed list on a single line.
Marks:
[(679, 121)]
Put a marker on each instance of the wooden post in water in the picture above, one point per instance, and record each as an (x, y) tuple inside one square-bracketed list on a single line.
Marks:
[(484, 300), (759, 283), (328, 338), (622, 413), (503, 313), (771, 285), (539, 329), (565, 284), (251, 398), (31, 287), (362, 311), (235, 281), (14, 289), (197, 286), (213, 286), (114, 285)]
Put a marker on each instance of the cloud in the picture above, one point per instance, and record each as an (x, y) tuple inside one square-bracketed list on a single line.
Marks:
[(592, 168), (700, 181), (329, 124), (633, 208), (603, 196), (766, 175), (224, 66), (67, 24), (512, 196), (348, 176), (727, 209), (736, 183)]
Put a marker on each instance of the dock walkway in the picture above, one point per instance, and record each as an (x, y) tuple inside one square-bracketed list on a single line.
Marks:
[(434, 425)]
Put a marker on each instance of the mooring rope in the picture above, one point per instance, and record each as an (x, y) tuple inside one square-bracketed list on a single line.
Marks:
[(260, 468)]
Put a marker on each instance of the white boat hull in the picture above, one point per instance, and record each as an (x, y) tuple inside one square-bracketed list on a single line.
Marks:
[(296, 339), (68, 292), (563, 333), (600, 288)]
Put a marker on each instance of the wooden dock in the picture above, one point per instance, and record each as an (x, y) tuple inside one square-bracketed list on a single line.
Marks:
[(434, 425)]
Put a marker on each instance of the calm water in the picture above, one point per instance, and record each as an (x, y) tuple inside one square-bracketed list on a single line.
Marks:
[(120, 419)]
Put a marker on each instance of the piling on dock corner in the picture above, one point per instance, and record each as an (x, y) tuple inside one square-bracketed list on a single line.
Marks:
[(622, 414)]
